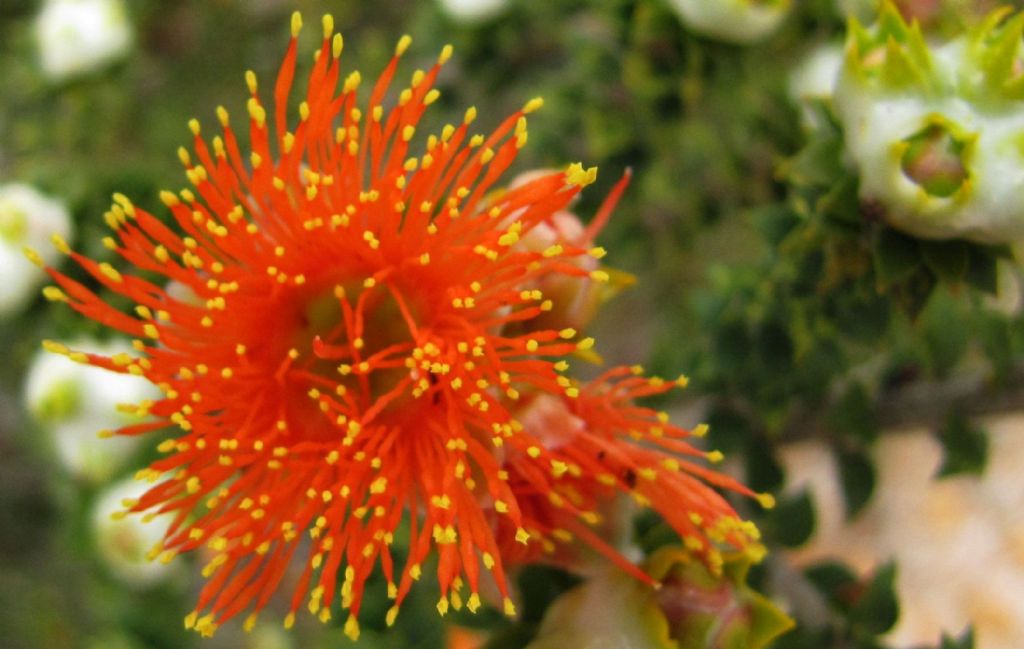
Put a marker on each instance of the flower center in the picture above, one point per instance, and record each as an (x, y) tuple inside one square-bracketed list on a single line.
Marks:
[(934, 159)]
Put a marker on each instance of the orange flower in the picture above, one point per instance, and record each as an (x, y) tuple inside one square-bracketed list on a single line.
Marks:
[(336, 348)]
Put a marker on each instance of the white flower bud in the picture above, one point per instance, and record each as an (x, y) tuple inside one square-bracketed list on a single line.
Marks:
[(80, 36), (74, 402), (932, 129), (736, 21), (473, 11), (27, 219), (814, 79), (125, 540)]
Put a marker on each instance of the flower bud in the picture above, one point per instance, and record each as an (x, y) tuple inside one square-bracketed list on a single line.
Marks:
[(74, 402), (27, 220), (814, 79), (735, 21), (575, 300), (929, 127), (125, 541), (79, 36), (693, 607), (473, 11)]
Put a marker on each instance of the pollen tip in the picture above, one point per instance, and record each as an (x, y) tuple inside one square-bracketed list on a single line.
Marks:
[(714, 456), (766, 500), (577, 175), (33, 256), (193, 125), (296, 23), (352, 628), (522, 536), (53, 294), (403, 44), (60, 244), (534, 104), (170, 199), (446, 53), (328, 23)]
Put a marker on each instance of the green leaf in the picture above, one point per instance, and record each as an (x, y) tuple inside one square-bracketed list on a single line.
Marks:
[(878, 608), (819, 163), (965, 446), (857, 475), (764, 473), (896, 257), (792, 521), (835, 581), (841, 204), (539, 586), (983, 268), (854, 414), (949, 260), (945, 331), (997, 339)]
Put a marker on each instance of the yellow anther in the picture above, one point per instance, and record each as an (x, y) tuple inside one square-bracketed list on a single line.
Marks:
[(533, 104), (403, 44), (60, 244), (446, 53), (54, 294), (578, 176)]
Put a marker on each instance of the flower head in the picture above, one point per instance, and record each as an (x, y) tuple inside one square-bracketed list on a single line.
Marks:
[(347, 344)]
